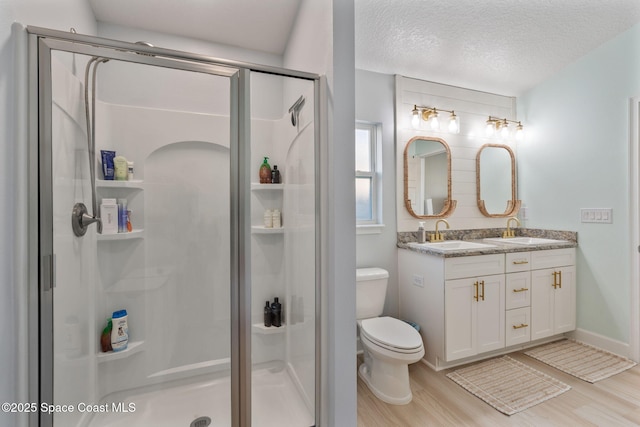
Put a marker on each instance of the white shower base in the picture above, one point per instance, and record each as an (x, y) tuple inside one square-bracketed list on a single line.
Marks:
[(275, 402)]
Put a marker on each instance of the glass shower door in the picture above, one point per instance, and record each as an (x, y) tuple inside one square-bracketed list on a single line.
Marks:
[(168, 265), (283, 251)]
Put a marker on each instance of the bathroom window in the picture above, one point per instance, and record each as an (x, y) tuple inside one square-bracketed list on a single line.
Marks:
[(368, 197)]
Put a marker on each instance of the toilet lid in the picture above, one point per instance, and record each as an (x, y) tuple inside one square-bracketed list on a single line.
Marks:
[(391, 332)]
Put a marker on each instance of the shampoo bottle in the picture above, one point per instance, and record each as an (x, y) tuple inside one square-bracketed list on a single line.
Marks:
[(120, 331), (129, 171), (421, 233), (267, 315), (275, 175), (265, 172), (276, 312), (120, 168)]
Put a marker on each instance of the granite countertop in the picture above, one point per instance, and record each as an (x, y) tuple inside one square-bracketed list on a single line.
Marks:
[(408, 240)]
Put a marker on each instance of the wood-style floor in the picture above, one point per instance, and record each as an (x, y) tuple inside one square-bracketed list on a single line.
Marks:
[(438, 401)]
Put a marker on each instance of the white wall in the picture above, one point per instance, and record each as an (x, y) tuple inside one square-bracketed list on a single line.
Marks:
[(577, 157), (374, 103), (60, 15), (473, 108)]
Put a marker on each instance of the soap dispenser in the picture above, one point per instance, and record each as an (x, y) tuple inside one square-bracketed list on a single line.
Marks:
[(422, 237), (265, 172)]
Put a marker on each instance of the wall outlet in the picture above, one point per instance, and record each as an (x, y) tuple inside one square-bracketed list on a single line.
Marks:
[(418, 281), (597, 215)]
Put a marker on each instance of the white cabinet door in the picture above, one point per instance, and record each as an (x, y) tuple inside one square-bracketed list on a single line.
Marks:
[(541, 303), (490, 313), (460, 318), (564, 313), (553, 301), (474, 316)]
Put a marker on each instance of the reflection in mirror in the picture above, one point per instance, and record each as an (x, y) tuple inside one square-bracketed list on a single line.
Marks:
[(496, 181), (427, 178)]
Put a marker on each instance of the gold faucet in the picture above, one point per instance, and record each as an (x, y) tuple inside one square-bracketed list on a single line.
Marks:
[(437, 237), (509, 232)]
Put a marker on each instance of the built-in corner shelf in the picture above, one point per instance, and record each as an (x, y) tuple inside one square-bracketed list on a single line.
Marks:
[(259, 229), (136, 184), (132, 348), (259, 328), (256, 186), (134, 234)]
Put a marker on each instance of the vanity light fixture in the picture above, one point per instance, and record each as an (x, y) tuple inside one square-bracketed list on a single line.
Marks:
[(500, 127), (430, 115)]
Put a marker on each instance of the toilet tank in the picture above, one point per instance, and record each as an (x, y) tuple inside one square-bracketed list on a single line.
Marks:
[(371, 290)]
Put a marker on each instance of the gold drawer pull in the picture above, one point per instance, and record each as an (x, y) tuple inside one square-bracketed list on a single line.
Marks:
[(524, 261), (520, 326), (521, 290)]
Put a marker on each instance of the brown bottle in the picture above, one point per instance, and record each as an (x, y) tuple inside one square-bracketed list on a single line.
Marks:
[(265, 172)]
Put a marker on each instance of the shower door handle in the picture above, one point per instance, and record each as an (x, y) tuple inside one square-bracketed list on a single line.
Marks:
[(48, 272)]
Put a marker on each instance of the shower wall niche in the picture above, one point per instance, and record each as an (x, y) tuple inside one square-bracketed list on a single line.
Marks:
[(172, 272)]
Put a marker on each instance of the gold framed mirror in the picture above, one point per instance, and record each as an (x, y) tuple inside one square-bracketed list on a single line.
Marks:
[(496, 181), (427, 178)]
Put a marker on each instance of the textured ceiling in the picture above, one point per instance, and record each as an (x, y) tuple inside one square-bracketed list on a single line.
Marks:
[(250, 24), (500, 46)]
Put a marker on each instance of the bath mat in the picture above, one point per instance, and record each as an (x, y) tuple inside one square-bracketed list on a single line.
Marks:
[(583, 361), (508, 385)]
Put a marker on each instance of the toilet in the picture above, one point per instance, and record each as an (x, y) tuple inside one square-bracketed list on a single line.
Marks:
[(389, 344)]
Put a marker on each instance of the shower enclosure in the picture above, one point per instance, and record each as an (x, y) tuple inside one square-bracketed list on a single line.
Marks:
[(200, 260)]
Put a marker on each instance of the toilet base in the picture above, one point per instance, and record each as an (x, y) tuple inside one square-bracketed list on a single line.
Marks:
[(390, 383)]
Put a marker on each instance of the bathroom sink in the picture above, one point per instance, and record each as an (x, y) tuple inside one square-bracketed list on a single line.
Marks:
[(453, 245), (524, 240)]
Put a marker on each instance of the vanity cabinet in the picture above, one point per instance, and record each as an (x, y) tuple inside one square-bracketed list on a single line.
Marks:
[(468, 306)]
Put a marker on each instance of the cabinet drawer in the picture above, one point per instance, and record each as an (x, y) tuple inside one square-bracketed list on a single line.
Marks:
[(518, 290), (553, 258), (473, 266), (518, 329), (518, 261)]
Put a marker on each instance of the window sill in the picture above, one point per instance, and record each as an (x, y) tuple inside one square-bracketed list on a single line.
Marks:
[(369, 228)]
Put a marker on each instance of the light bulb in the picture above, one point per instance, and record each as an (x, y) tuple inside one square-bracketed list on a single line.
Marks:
[(504, 131), (415, 118), (519, 132), (433, 121), (490, 129), (454, 123)]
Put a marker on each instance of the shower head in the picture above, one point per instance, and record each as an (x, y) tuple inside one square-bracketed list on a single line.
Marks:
[(295, 110)]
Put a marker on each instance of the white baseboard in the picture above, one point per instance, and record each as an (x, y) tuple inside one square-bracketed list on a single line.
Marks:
[(600, 341)]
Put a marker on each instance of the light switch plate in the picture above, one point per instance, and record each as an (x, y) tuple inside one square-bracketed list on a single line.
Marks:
[(597, 215)]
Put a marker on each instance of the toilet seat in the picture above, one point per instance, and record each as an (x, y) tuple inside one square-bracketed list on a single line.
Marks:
[(392, 334)]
